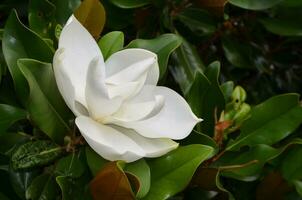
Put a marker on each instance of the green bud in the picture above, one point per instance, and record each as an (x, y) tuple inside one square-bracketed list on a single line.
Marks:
[(238, 95), (58, 30), (242, 113)]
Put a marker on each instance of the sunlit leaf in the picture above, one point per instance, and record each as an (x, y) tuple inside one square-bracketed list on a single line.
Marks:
[(45, 105), (172, 172), (18, 43), (266, 119), (111, 43)]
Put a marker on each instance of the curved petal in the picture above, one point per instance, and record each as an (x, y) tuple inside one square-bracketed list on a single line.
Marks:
[(109, 142), (99, 103), (129, 64), (130, 111), (174, 120), (80, 49), (65, 86), (153, 147)]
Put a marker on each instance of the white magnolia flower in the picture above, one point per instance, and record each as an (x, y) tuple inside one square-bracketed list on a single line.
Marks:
[(119, 110)]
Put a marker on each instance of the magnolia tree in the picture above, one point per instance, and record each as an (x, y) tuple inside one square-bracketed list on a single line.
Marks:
[(89, 111)]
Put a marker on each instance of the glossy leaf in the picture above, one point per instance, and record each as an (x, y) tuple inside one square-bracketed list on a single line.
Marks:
[(163, 46), (282, 27), (74, 189), (64, 9), (186, 63), (70, 166), (41, 17), (198, 21), (141, 171), (298, 186), (43, 187), (200, 138), (21, 180), (291, 164), (34, 154), (205, 97), (94, 161), (9, 141), (130, 3), (247, 165), (10, 115), (91, 14), (172, 172), (18, 43), (45, 105), (227, 89), (116, 186), (255, 4), (237, 53), (267, 124), (111, 43)]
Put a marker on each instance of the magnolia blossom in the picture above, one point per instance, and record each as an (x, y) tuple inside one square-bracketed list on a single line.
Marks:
[(119, 110)]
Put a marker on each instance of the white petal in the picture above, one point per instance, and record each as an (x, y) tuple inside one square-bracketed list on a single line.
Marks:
[(174, 120), (65, 86), (80, 49), (108, 142), (153, 147), (133, 111), (129, 64), (99, 103)]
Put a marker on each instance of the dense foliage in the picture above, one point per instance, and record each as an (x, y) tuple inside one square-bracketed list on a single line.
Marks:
[(238, 63)]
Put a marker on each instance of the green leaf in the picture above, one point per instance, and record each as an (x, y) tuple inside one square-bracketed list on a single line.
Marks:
[(186, 63), (298, 186), (247, 165), (238, 53), (163, 46), (172, 172), (130, 3), (200, 138), (268, 125), (34, 154), (111, 43), (10, 115), (291, 167), (94, 161), (91, 14), (74, 189), (255, 4), (227, 90), (198, 21), (283, 27), (21, 180), (205, 97), (45, 104), (9, 141), (43, 187), (141, 171), (41, 17), (64, 9), (71, 166), (18, 43)]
